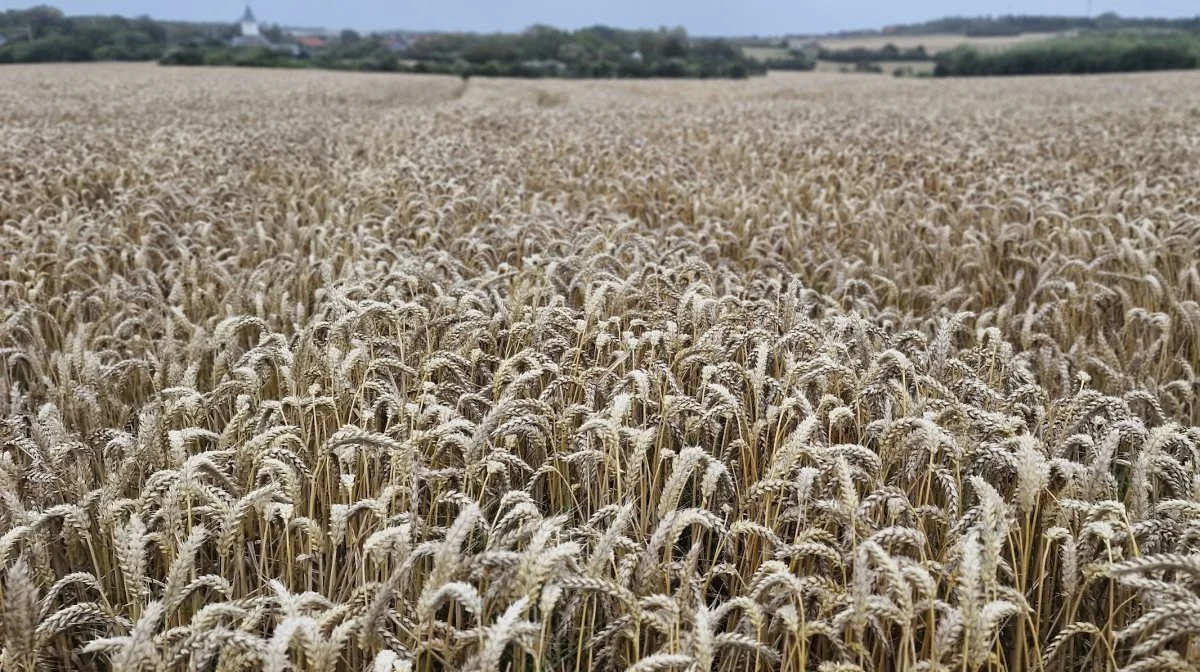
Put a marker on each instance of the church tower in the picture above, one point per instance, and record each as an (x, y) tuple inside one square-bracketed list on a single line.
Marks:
[(249, 24)]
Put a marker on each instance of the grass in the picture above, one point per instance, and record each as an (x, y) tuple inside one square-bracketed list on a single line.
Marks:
[(329, 371)]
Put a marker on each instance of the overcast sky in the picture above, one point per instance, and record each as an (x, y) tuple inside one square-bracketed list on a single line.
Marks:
[(700, 17)]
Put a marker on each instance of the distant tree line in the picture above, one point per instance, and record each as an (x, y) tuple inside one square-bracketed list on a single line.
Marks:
[(347, 51), (1075, 55), (1019, 24), (796, 59), (44, 34), (540, 51), (888, 52), (598, 51)]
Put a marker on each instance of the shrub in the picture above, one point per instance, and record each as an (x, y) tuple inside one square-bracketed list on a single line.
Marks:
[(671, 67), (889, 52), (795, 60), (219, 57), (1083, 55), (183, 56)]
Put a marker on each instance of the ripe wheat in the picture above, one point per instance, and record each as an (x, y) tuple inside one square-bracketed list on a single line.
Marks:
[(327, 372)]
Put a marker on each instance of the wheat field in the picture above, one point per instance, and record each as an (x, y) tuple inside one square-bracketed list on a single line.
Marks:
[(314, 371)]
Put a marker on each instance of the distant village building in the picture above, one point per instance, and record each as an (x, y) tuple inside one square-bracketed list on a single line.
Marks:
[(298, 32), (397, 43), (636, 55), (249, 23), (250, 36), (312, 41)]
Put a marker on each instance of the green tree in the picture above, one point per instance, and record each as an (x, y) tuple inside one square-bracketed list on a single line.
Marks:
[(273, 33), (675, 45), (43, 21)]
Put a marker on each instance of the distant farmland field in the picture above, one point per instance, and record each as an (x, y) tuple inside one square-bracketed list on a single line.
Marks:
[(933, 43)]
